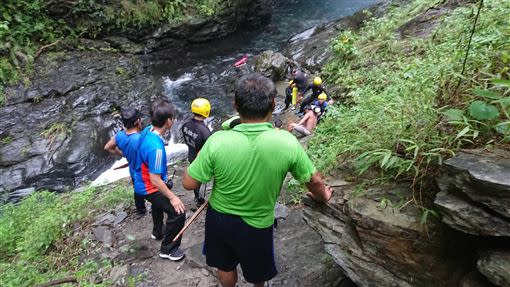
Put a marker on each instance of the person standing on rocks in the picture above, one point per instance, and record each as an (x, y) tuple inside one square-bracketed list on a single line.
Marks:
[(150, 177), (196, 133), (299, 79), (248, 163), (125, 144)]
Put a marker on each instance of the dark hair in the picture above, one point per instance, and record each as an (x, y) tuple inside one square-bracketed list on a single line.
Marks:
[(254, 96), (161, 111), (129, 117), (278, 123)]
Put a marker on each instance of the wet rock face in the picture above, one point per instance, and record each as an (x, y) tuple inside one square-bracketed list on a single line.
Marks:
[(312, 47), (248, 13), (238, 13), (475, 193), (378, 246), (55, 126)]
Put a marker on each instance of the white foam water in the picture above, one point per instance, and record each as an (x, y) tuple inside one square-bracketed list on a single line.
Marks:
[(174, 154), (171, 85)]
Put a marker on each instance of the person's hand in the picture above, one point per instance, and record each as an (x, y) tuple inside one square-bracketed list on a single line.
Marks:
[(178, 205), (328, 192)]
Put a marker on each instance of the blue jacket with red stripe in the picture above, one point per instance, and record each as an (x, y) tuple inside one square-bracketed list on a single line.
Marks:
[(151, 159)]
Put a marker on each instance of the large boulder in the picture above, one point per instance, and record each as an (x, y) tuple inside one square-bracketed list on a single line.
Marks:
[(377, 244), (495, 265), (274, 65), (475, 192), (467, 217)]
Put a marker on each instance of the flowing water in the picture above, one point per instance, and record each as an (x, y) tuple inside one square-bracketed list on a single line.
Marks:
[(207, 70)]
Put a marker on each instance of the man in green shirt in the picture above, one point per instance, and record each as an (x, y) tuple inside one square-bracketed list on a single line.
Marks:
[(248, 164)]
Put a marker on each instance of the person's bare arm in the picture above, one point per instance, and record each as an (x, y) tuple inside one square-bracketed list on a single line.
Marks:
[(188, 182), (318, 190), (111, 147), (174, 199), (304, 119)]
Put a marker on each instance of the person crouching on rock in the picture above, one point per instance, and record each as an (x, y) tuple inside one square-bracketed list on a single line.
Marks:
[(248, 163), (317, 89), (308, 123), (125, 143), (150, 177), (322, 104)]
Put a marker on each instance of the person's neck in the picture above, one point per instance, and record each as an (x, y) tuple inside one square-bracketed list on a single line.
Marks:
[(159, 131), (256, 121), (132, 130)]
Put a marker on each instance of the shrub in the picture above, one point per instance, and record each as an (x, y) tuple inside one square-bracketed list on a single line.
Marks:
[(401, 90), (30, 231)]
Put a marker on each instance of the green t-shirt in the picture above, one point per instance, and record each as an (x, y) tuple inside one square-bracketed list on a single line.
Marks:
[(249, 164)]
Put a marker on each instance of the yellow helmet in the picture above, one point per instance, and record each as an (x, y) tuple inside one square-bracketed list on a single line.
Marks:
[(201, 107), (317, 81), (322, 96)]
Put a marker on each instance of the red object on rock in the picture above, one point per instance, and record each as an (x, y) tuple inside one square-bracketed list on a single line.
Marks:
[(241, 62)]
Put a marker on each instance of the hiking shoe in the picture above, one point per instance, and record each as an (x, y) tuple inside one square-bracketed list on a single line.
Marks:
[(175, 255), (159, 237)]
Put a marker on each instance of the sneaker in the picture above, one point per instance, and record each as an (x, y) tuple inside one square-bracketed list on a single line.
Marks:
[(156, 237), (175, 255)]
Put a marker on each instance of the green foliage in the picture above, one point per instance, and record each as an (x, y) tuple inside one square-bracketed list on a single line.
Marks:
[(483, 111), (408, 108), (23, 26), (6, 140), (30, 233), (487, 115), (295, 190), (343, 46), (427, 214)]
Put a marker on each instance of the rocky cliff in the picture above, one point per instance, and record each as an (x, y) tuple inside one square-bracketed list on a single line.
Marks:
[(475, 200), (56, 121)]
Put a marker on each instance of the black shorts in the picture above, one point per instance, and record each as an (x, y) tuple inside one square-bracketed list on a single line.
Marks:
[(229, 241)]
